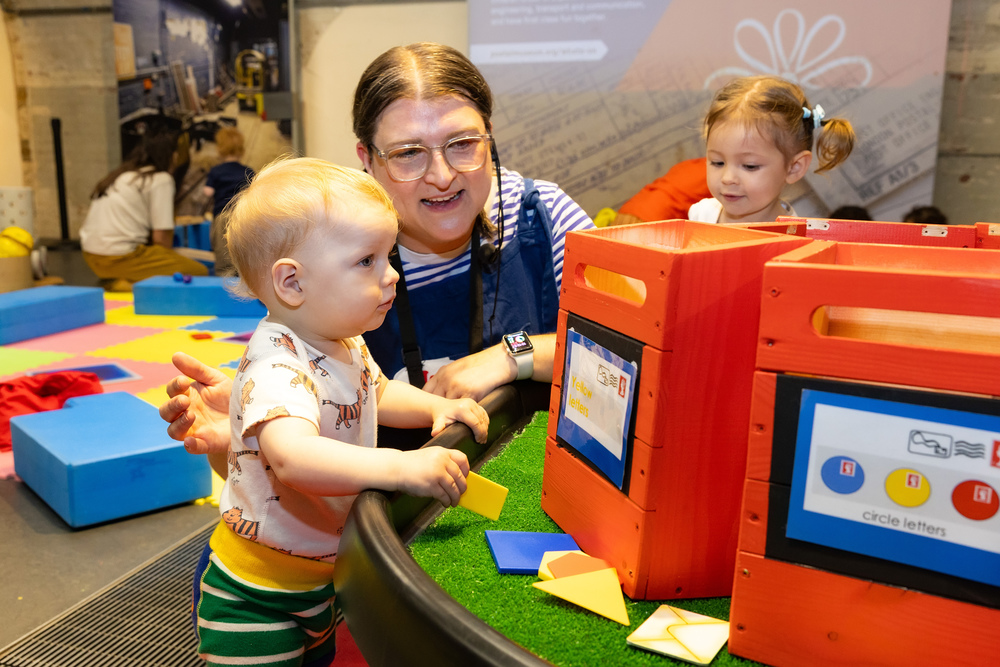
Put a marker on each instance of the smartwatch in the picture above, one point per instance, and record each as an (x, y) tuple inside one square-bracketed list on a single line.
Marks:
[(519, 346)]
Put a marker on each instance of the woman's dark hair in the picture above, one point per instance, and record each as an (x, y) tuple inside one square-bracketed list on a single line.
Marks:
[(420, 71), (156, 151)]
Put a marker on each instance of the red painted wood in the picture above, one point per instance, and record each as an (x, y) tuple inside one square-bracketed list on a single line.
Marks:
[(761, 435), (988, 235), (602, 520), (753, 517), (924, 280), (873, 231), (788, 615)]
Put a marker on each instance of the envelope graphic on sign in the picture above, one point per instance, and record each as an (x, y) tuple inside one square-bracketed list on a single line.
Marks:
[(681, 634)]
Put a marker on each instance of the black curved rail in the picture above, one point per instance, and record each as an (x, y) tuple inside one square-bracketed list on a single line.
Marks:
[(396, 613)]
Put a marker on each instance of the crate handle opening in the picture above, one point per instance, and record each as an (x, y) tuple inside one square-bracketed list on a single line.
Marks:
[(967, 333), (613, 284)]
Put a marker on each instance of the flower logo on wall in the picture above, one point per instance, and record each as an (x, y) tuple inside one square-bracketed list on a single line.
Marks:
[(766, 53)]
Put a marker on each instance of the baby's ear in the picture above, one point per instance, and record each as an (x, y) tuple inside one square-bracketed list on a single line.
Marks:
[(798, 166), (285, 275)]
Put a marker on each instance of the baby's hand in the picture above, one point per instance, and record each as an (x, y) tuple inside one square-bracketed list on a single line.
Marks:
[(435, 472), (463, 410)]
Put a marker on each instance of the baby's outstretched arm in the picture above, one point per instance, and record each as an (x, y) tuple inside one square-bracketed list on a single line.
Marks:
[(320, 466), (404, 406)]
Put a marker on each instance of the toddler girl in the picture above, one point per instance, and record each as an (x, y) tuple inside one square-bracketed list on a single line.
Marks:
[(759, 133)]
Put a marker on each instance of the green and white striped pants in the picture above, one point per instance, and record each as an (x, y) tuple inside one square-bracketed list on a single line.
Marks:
[(245, 623)]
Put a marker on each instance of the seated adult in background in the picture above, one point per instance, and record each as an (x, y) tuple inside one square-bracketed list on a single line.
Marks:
[(224, 180), (926, 215), (469, 275), (669, 197), (850, 212), (128, 234)]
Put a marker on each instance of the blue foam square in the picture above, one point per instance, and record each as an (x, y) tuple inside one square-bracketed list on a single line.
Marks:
[(516, 552), (40, 311), (204, 295), (104, 457), (237, 325)]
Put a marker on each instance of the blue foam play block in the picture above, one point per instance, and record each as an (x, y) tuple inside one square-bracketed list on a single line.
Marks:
[(40, 311), (516, 552), (104, 457), (204, 295)]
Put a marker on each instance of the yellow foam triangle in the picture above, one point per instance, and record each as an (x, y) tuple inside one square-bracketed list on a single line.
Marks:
[(483, 496), (599, 591), (544, 573)]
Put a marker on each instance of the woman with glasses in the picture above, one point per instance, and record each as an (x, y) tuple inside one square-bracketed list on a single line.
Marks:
[(422, 118), (479, 249)]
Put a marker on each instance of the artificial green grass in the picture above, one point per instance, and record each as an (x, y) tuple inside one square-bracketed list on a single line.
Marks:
[(453, 550)]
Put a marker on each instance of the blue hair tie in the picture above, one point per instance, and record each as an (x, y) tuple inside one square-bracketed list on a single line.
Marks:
[(816, 113)]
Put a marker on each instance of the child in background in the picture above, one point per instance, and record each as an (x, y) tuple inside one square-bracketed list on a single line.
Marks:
[(223, 182), (128, 234), (759, 135), (312, 241), (926, 215)]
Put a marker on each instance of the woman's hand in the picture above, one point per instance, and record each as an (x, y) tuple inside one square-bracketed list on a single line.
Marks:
[(473, 376), (198, 408), (478, 374)]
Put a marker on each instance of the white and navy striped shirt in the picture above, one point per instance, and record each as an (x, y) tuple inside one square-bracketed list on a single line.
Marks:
[(567, 216)]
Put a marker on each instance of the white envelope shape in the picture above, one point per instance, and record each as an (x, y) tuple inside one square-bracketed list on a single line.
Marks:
[(681, 634)]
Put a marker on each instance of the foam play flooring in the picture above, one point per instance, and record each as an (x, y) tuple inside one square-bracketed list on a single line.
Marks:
[(136, 347)]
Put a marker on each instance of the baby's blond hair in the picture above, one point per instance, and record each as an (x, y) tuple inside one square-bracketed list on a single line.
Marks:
[(283, 204)]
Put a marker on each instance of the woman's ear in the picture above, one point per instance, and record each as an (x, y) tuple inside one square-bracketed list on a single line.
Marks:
[(285, 275), (798, 167), (366, 159)]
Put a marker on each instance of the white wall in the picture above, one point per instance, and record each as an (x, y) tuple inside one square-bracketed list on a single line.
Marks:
[(337, 43)]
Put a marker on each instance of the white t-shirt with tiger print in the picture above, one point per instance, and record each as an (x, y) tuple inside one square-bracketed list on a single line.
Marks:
[(280, 375)]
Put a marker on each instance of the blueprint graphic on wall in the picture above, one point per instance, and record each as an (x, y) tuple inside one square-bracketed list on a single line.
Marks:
[(603, 97)]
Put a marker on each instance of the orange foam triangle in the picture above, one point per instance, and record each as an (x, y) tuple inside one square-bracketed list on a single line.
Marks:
[(543, 569), (576, 563), (599, 591)]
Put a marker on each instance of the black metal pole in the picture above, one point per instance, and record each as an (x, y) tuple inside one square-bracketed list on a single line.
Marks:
[(60, 180)]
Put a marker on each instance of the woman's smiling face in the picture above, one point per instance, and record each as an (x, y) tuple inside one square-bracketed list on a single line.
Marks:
[(437, 210)]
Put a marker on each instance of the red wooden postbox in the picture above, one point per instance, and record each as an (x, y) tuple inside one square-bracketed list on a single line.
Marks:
[(870, 531), (646, 451)]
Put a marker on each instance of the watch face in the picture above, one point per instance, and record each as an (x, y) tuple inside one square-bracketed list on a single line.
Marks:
[(517, 342)]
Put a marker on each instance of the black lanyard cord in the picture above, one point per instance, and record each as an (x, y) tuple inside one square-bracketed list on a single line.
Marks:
[(407, 330)]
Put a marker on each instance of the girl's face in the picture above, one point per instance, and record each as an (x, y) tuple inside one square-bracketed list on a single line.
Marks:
[(439, 209), (746, 173)]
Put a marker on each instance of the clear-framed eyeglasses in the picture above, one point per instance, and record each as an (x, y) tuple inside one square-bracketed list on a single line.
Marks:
[(411, 162)]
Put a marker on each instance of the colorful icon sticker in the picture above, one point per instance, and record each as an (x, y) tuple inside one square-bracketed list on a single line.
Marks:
[(907, 487), (842, 474), (975, 500)]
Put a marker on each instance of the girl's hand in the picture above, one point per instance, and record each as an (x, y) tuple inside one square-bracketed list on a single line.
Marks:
[(463, 410), (434, 472), (198, 407)]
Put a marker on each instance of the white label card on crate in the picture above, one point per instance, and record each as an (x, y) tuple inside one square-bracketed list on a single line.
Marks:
[(913, 484), (597, 396)]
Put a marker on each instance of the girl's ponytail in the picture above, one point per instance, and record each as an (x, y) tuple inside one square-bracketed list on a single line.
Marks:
[(835, 143)]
